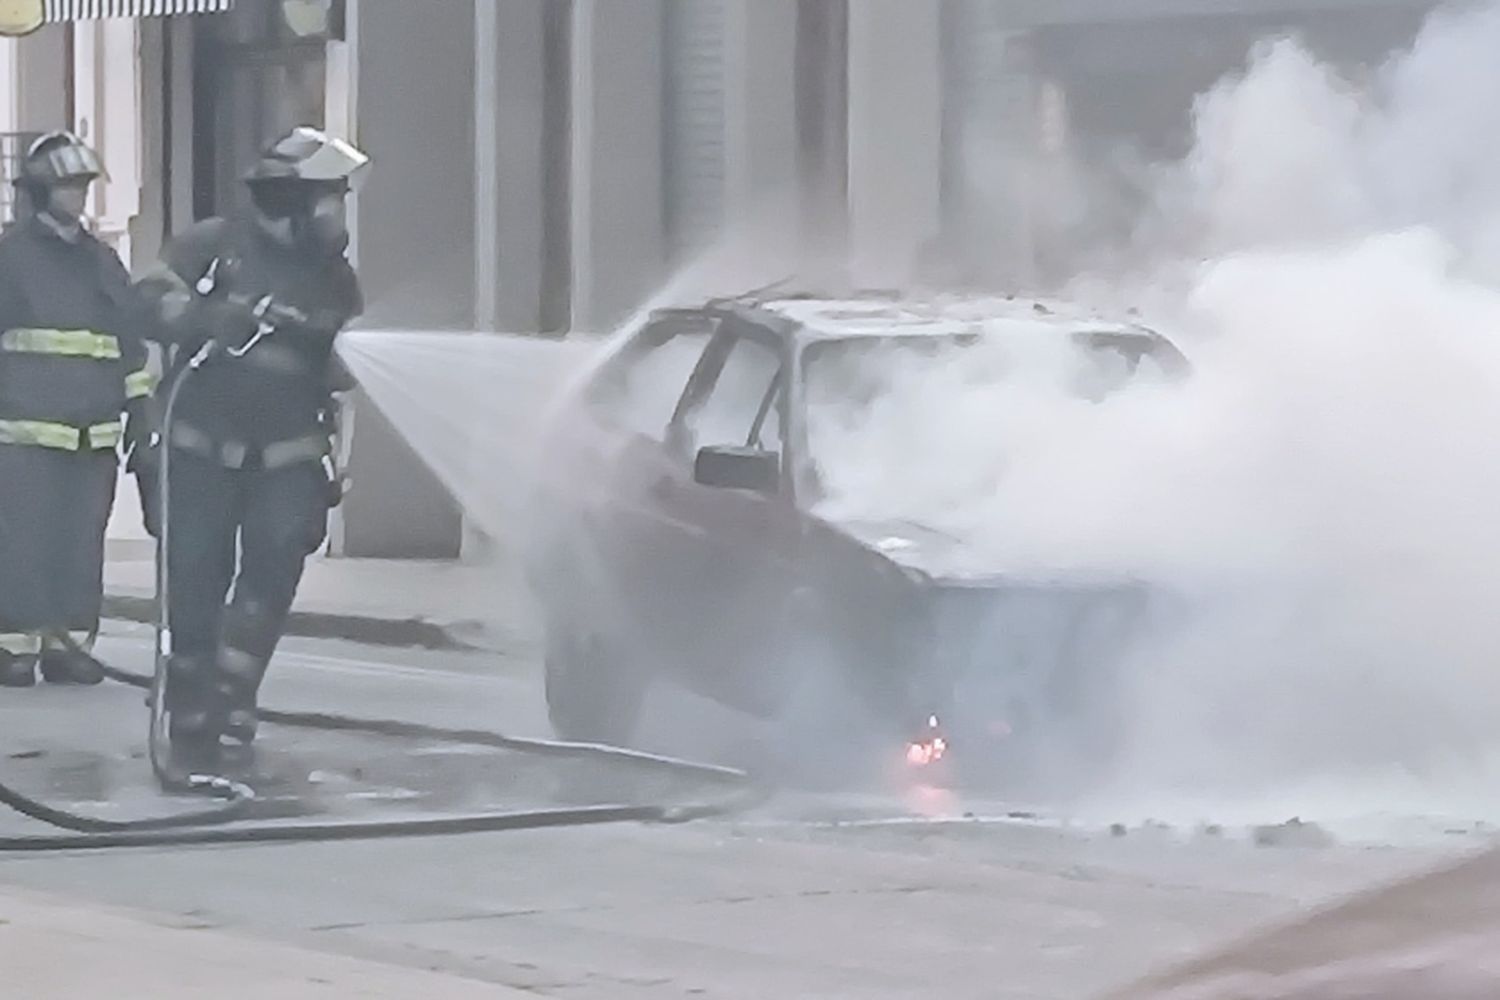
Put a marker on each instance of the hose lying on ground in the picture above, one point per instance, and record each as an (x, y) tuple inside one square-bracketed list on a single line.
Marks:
[(211, 826)]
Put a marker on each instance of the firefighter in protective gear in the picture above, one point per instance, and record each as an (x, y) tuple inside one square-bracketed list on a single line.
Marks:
[(72, 363), (250, 474)]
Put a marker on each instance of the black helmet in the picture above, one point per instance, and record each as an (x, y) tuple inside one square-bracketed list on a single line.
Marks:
[(59, 158), (300, 166)]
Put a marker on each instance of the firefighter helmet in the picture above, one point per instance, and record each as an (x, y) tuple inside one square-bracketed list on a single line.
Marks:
[(59, 158), (309, 154), (300, 169)]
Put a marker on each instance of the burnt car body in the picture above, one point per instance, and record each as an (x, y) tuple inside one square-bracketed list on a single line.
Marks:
[(682, 530)]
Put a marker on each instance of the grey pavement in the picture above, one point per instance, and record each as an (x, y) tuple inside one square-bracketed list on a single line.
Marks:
[(867, 894), (52, 948)]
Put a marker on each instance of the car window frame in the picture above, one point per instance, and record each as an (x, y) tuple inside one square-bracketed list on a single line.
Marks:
[(732, 328), (617, 371), (773, 398)]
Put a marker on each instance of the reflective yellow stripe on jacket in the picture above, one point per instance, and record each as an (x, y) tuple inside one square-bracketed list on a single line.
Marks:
[(106, 435), (45, 434), (62, 343), (139, 384)]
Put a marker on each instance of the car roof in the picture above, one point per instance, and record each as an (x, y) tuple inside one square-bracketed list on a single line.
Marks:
[(816, 319)]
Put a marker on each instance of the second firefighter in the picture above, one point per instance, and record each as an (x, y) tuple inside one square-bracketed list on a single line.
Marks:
[(71, 363)]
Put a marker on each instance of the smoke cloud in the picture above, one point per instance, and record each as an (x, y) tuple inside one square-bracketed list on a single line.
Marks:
[(1322, 491), (1291, 153)]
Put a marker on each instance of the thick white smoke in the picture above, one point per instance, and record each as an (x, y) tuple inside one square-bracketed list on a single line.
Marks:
[(1323, 491), (469, 403), (1325, 486), (1290, 152)]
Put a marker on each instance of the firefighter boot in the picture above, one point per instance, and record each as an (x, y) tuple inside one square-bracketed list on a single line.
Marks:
[(17, 670), (243, 658), (240, 674), (193, 721), (71, 664)]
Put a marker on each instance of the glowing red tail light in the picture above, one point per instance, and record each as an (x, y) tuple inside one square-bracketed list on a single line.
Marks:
[(930, 749)]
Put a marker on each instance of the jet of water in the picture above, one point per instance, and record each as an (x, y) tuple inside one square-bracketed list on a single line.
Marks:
[(475, 406)]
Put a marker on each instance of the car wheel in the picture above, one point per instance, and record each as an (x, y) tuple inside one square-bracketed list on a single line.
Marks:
[(594, 692)]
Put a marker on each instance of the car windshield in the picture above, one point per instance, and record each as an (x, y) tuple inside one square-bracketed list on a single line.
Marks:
[(908, 426)]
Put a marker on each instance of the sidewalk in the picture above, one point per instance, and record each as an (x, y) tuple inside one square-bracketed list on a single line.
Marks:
[(434, 605), (52, 949)]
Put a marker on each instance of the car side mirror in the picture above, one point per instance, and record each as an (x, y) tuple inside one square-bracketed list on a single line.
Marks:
[(736, 468)]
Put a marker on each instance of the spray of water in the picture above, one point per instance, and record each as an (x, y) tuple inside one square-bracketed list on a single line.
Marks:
[(468, 403), (474, 405)]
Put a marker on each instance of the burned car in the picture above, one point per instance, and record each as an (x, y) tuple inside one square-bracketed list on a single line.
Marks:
[(702, 518)]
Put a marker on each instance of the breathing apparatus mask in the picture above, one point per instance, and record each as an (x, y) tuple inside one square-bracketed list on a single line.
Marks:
[(299, 187)]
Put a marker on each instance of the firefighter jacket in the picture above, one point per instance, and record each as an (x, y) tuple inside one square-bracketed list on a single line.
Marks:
[(269, 405), (72, 357)]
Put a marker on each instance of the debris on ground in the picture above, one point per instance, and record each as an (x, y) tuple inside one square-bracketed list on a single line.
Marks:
[(1293, 833)]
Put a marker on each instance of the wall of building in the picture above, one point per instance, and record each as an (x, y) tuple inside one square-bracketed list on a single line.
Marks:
[(165, 141), (515, 177), (416, 224), (42, 73), (895, 138), (416, 119), (10, 85), (10, 114), (618, 242), (760, 112), (107, 114)]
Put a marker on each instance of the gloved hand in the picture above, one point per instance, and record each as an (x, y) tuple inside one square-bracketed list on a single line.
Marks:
[(141, 457), (280, 317), (227, 321), (336, 485)]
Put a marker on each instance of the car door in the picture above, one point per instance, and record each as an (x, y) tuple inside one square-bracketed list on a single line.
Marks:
[(636, 549), (729, 553)]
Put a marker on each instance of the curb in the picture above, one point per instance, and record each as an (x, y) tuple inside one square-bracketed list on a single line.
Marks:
[(406, 633)]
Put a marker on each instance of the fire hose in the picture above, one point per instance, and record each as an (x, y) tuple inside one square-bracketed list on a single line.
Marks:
[(225, 822)]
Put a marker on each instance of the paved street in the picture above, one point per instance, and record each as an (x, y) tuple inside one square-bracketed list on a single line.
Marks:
[(828, 895)]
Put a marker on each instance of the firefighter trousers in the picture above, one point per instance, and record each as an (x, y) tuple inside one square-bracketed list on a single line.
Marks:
[(54, 508), (263, 523)]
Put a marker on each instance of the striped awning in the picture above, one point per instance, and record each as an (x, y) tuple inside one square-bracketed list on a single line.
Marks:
[(93, 10)]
